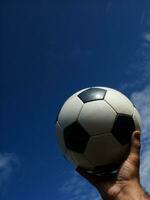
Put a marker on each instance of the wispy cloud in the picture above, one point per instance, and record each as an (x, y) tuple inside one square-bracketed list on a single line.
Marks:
[(141, 97), (75, 187), (142, 101), (141, 59), (145, 170), (146, 36), (8, 164)]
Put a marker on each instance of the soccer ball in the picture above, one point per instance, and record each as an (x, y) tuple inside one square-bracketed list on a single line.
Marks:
[(94, 128)]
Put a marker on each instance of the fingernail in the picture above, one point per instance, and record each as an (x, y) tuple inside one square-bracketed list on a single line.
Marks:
[(137, 135)]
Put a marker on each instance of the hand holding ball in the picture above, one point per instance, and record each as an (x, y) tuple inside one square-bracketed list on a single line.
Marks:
[(94, 128)]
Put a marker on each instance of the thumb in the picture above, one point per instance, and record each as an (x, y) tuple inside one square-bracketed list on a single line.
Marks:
[(135, 148), (135, 143)]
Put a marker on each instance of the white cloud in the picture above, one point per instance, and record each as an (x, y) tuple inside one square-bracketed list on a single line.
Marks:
[(75, 187), (146, 36), (142, 101), (145, 170), (8, 164), (141, 98)]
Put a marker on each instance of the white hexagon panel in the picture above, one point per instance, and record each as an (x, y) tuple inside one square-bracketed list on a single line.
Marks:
[(70, 111), (97, 117), (104, 149), (119, 102), (80, 160)]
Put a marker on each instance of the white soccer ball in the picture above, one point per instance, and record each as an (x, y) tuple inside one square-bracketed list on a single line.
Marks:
[(94, 128)]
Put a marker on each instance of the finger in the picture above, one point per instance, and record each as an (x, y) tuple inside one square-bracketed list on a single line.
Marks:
[(135, 143), (134, 155)]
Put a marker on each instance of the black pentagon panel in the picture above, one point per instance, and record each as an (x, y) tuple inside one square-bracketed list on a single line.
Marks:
[(76, 138), (123, 128), (92, 94)]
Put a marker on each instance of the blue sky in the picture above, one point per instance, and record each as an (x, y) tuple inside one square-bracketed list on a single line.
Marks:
[(49, 50)]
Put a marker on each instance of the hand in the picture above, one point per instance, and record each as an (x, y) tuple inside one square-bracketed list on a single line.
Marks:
[(127, 176)]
